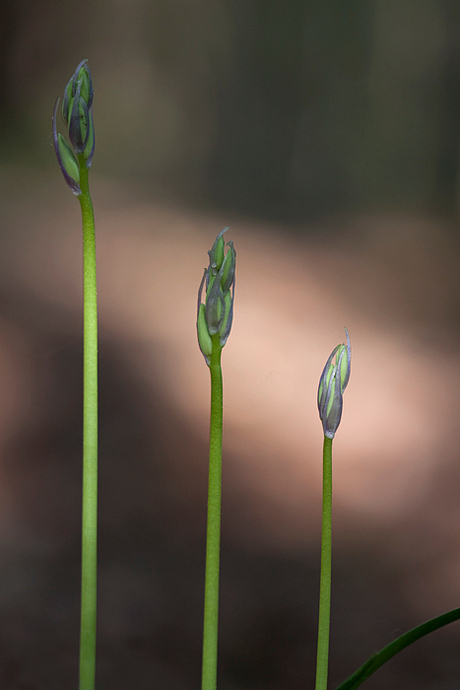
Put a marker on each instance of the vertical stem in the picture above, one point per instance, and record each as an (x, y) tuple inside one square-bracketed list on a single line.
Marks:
[(211, 595), (325, 577), (90, 428)]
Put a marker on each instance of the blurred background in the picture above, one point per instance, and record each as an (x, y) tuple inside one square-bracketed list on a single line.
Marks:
[(326, 134)]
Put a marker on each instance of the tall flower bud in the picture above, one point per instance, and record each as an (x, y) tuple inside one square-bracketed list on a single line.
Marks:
[(332, 384), (215, 315), (77, 114)]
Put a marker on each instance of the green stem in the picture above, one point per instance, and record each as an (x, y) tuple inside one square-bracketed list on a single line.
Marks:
[(325, 577), (379, 658), (90, 427), (211, 593)]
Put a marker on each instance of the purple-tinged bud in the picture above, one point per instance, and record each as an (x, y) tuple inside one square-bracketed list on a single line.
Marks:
[(332, 384), (78, 118), (81, 76), (215, 316)]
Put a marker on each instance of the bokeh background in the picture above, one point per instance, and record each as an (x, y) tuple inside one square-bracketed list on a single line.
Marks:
[(326, 134)]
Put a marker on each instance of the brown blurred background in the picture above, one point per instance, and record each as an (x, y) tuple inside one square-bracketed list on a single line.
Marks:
[(326, 134)]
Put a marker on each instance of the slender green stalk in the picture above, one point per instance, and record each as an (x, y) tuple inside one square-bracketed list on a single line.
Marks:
[(379, 658), (325, 577), (211, 595), (90, 428)]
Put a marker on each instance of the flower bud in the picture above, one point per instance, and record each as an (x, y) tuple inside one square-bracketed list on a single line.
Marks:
[(78, 118), (332, 384), (215, 316)]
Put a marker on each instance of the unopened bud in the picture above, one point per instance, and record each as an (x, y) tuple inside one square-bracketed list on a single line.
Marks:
[(215, 316), (78, 118), (332, 384)]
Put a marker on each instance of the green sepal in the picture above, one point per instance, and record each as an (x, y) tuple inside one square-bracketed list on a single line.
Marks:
[(84, 77), (89, 149), (228, 305), (216, 255), (67, 102), (228, 268), (343, 365), (84, 120), (204, 339), (68, 159), (219, 254)]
